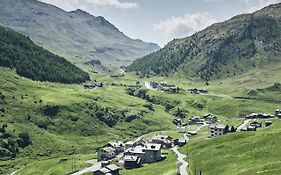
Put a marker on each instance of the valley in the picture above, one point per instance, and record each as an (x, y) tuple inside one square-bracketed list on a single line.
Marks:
[(77, 96)]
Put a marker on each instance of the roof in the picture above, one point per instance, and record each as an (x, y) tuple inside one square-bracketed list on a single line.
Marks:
[(182, 140), (104, 170), (108, 149), (136, 150), (116, 144), (152, 147), (129, 158), (217, 126), (112, 167)]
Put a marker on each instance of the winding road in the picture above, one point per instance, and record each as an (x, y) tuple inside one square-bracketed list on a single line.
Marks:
[(183, 163)]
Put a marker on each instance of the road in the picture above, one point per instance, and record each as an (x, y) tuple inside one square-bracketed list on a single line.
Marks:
[(183, 163), (90, 169), (243, 125)]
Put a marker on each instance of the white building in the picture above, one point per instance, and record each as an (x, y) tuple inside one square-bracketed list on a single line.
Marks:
[(216, 130)]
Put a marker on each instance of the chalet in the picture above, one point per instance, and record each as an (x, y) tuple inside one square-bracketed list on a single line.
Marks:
[(195, 120), (180, 141), (251, 128), (149, 153), (164, 141), (192, 133), (209, 118), (177, 121), (259, 115), (182, 129), (108, 170), (132, 162), (268, 123), (216, 129), (134, 143), (198, 91), (117, 145), (106, 153), (278, 113), (255, 124)]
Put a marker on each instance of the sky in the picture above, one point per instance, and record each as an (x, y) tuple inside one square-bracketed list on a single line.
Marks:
[(160, 21)]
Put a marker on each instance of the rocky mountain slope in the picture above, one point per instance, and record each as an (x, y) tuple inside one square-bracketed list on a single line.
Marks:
[(224, 49), (76, 35)]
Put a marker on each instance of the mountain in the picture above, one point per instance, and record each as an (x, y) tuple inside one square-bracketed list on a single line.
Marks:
[(32, 61), (224, 49), (76, 35)]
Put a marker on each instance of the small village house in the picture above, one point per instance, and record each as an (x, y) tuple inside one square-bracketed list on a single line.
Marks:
[(210, 119), (117, 145), (108, 170), (182, 129), (148, 152), (216, 129), (165, 141), (278, 113), (106, 153), (180, 141), (132, 162), (256, 124), (268, 123)]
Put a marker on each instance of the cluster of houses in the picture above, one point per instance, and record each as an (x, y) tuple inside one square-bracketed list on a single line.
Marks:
[(133, 154), (198, 91), (163, 86), (259, 116), (94, 85)]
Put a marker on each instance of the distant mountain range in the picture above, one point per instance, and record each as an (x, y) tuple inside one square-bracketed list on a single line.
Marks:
[(225, 49), (77, 35)]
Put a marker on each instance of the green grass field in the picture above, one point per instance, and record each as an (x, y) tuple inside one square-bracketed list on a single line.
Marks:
[(67, 138)]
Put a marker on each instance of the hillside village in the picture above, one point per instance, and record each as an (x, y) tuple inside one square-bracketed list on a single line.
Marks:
[(132, 154)]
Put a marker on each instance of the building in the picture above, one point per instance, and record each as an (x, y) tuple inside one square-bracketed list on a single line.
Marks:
[(180, 141), (148, 152), (195, 120), (278, 113), (268, 123), (192, 133), (108, 170), (117, 145), (152, 153), (106, 153), (209, 118), (216, 129), (132, 162), (255, 124), (182, 129), (177, 121), (165, 141), (259, 115)]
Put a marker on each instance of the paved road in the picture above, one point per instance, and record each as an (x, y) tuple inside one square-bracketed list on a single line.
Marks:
[(243, 125), (183, 163), (88, 170)]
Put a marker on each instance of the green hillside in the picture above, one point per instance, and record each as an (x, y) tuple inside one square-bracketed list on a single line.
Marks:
[(32, 61), (222, 50)]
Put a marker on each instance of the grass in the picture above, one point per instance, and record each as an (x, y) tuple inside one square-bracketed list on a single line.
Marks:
[(237, 153)]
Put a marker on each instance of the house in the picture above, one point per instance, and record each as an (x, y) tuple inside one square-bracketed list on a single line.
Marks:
[(106, 153), (198, 91), (268, 123), (108, 170), (177, 121), (278, 113), (251, 128), (117, 145), (195, 120), (182, 129), (259, 115), (180, 141), (149, 153), (192, 133), (152, 153), (134, 143), (255, 124), (132, 162), (165, 141), (216, 129), (209, 118)]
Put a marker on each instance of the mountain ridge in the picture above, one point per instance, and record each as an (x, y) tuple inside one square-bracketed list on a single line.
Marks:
[(75, 35), (224, 49)]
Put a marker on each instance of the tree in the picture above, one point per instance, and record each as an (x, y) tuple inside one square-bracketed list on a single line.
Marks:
[(232, 129), (24, 140)]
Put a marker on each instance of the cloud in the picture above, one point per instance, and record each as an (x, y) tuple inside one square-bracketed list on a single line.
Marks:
[(75, 4), (254, 5), (114, 3), (178, 27)]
